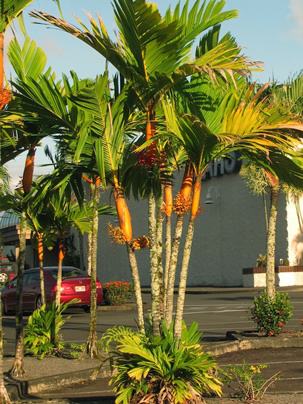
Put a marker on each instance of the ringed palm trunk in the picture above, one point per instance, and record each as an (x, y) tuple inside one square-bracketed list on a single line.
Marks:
[(271, 241), (91, 346), (124, 218), (61, 255), (89, 253), (4, 397), (17, 369), (182, 204), (159, 258), (169, 304), (155, 260), (41, 272), (137, 287), (186, 257), (168, 207)]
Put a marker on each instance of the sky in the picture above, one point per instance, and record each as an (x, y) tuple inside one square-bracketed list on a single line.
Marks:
[(270, 31)]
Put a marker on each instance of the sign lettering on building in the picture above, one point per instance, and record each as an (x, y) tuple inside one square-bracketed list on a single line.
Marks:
[(227, 165)]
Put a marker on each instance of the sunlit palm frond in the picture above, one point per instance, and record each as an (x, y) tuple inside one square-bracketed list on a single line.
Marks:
[(200, 17), (9, 10), (28, 60)]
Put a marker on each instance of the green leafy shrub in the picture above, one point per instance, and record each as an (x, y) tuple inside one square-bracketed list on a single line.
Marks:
[(247, 381), (160, 369), (271, 314), (117, 292), (42, 330)]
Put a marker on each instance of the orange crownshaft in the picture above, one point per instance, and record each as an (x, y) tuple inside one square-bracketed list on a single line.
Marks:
[(28, 172)]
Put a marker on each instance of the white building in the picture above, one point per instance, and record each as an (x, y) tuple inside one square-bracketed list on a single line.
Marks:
[(230, 233)]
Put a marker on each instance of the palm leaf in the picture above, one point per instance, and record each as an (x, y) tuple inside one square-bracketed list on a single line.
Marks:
[(9, 10), (28, 61)]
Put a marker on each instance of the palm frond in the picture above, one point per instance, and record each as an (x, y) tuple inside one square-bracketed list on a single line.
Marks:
[(9, 10)]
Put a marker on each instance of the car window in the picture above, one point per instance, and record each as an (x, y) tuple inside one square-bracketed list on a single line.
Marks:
[(67, 273), (31, 278)]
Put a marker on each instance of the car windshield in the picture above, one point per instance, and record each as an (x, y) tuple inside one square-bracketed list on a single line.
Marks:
[(67, 272)]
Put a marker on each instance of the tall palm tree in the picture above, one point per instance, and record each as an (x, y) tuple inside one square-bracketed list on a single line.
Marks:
[(109, 146), (238, 123), (288, 99), (154, 54)]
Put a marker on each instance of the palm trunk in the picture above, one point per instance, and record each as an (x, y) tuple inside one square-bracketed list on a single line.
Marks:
[(137, 287), (17, 369), (89, 253), (186, 256), (125, 223), (41, 272), (4, 397), (153, 207), (271, 242), (181, 207), (167, 255), (172, 270), (91, 346), (160, 274), (168, 208), (183, 278), (81, 250), (61, 254)]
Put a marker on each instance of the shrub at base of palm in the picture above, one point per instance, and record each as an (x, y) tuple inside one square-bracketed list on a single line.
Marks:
[(42, 330), (160, 369)]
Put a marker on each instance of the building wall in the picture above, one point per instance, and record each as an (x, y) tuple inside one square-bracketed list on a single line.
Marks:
[(230, 233), (295, 230)]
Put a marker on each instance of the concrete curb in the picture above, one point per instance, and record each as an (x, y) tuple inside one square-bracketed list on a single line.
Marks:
[(19, 389), (255, 343), (39, 385)]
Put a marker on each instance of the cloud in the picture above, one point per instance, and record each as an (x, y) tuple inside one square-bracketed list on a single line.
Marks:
[(296, 10)]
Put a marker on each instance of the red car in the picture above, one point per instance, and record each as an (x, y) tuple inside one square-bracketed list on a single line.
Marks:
[(75, 285)]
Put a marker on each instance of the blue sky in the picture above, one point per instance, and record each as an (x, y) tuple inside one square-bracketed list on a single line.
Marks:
[(270, 31)]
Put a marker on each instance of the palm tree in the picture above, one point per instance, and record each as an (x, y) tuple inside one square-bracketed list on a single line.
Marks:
[(109, 146), (153, 53), (238, 123), (288, 99)]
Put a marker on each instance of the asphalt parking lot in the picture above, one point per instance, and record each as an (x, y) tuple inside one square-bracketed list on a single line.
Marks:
[(216, 313)]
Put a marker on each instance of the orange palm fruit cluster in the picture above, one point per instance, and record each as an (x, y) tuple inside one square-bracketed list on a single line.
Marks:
[(140, 242), (5, 97)]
